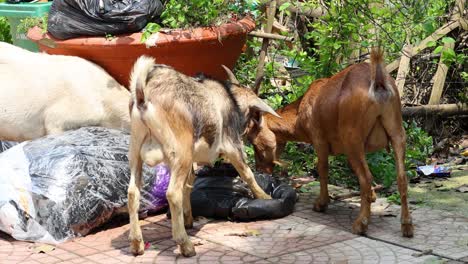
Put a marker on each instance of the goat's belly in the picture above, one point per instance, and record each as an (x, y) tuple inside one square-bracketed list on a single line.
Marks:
[(203, 153), (151, 153), (377, 139), (18, 127)]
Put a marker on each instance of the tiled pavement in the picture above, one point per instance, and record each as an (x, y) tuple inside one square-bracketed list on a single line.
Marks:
[(303, 237)]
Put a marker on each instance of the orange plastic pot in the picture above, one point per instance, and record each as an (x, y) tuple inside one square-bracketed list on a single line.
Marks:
[(190, 51)]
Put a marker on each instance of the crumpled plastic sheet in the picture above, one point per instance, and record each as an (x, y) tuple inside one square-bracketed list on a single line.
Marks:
[(59, 187)]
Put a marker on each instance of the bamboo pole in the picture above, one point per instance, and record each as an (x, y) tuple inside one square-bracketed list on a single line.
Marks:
[(439, 33), (260, 34), (442, 69), (439, 78), (403, 68), (442, 110), (270, 11)]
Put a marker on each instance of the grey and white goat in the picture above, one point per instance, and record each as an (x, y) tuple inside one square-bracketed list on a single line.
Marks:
[(180, 120)]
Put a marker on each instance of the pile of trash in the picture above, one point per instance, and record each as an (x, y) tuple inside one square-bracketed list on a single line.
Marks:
[(63, 186)]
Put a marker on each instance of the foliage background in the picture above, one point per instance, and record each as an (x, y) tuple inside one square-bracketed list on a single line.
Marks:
[(338, 39), (4, 30)]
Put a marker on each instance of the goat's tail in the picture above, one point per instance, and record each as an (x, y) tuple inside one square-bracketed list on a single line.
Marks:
[(380, 89), (138, 80)]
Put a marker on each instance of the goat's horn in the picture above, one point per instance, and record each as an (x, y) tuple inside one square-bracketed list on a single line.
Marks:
[(231, 76), (262, 106), (258, 83), (281, 163)]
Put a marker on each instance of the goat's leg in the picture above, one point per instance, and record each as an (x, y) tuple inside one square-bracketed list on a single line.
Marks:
[(246, 174), (398, 139), (360, 167), (322, 201), (188, 218), (136, 238), (398, 143), (180, 170)]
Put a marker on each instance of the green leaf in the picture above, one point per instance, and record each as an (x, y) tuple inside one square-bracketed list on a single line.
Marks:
[(431, 44), (447, 40), (428, 27), (448, 56), (438, 49), (284, 6)]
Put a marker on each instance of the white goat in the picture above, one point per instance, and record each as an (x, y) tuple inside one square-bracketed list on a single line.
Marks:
[(182, 120), (43, 94)]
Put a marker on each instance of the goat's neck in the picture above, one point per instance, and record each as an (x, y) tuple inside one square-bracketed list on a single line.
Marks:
[(286, 128)]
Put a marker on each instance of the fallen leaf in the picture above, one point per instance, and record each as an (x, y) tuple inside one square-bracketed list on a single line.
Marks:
[(197, 243), (462, 189), (149, 228), (253, 232), (247, 233), (43, 249), (422, 253)]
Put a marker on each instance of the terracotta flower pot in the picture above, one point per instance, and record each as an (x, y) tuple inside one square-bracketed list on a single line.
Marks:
[(190, 51)]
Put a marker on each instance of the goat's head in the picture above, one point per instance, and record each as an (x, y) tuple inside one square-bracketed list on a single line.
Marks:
[(256, 130), (249, 103), (264, 143)]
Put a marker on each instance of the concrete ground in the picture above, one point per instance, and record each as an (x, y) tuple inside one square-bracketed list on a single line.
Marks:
[(303, 237)]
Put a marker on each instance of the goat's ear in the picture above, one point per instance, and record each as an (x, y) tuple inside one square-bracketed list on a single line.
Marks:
[(261, 106), (232, 77), (257, 119), (255, 122)]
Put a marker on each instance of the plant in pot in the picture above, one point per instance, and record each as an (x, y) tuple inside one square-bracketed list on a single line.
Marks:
[(192, 36)]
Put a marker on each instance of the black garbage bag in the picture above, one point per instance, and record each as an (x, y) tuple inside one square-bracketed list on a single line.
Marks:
[(76, 18), (219, 193), (62, 186)]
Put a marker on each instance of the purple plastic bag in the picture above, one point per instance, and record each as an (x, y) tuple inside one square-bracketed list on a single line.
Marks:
[(161, 182)]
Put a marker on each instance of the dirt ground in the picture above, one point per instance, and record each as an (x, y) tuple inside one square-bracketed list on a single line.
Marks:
[(442, 193)]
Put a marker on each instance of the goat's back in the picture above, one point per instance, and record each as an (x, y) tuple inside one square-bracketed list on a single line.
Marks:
[(207, 103), (342, 110), (31, 84)]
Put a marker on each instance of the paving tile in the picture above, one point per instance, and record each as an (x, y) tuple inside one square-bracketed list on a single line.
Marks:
[(357, 250), (162, 219), (269, 238), (447, 237), (113, 238), (443, 232), (166, 252), (12, 251)]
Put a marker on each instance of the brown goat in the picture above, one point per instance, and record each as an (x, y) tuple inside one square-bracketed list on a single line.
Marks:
[(353, 112), (181, 120)]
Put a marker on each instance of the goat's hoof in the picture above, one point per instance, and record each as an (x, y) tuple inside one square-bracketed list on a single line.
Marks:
[(187, 249), (137, 247), (407, 230), (360, 226), (188, 222), (319, 207)]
